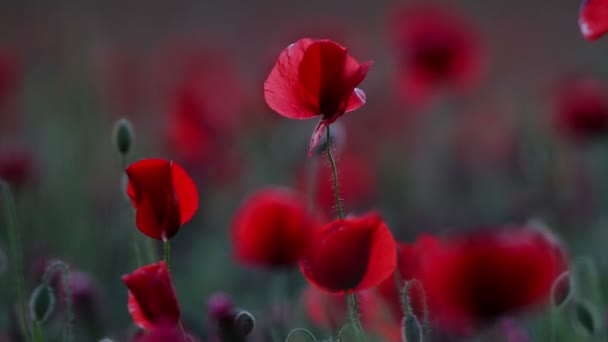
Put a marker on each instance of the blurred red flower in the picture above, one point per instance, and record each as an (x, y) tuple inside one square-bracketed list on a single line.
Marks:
[(435, 48), (152, 299), (315, 77), (164, 196), (357, 184), (9, 77), (593, 18), (165, 333), (351, 254), (17, 167), (329, 311), (272, 228), (479, 278), (581, 108)]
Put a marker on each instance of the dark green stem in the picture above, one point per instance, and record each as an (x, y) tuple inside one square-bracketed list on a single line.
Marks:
[(38, 335), (15, 254), (167, 253), (334, 170), (353, 310)]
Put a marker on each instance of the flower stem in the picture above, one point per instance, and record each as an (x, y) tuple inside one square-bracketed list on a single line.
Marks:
[(303, 331), (15, 254), (38, 335), (353, 309), (167, 253), (334, 170)]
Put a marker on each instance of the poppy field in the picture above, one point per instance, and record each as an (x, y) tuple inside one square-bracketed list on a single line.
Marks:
[(281, 171)]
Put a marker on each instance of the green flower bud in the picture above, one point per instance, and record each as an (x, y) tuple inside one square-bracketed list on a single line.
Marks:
[(42, 303), (123, 135)]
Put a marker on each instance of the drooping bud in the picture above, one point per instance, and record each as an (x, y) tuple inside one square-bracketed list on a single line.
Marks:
[(123, 135), (42, 303), (584, 318), (219, 306), (411, 330), (244, 323), (561, 290)]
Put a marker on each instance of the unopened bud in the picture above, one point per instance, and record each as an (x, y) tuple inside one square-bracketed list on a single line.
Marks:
[(219, 306), (561, 290), (244, 323), (123, 135), (42, 303), (411, 330), (584, 318)]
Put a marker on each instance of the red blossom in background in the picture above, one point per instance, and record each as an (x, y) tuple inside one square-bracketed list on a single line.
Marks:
[(593, 18), (164, 196), (18, 167), (9, 77), (152, 299), (435, 48), (351, 254), (272, 228), (329, 311), (580, 108), (315, 77), (476, 279)]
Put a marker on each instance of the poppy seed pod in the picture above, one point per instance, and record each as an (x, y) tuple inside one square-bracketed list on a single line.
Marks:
[(123, 136)]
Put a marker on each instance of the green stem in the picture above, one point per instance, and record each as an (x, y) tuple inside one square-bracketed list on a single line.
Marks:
[(167, 253), (353, 309), (15, 254), (334, 170), (38, 335)]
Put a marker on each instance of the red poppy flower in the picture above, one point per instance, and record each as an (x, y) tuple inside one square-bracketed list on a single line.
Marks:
[(329, 311), (357, 188), (593, 18), (272, 228), (152, 299), (17, 167), (164, 196), (478, 278), (435, 48), (315, 77), (165, 333), (351, 254), (581, 108)]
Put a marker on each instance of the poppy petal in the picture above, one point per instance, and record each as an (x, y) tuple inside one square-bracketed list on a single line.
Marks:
[(282, 90), (185, 191), (593, 19), (139, 318), (147, 221), (317, 135)]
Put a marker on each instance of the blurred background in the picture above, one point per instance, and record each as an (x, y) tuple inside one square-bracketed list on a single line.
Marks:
[(500, 144)]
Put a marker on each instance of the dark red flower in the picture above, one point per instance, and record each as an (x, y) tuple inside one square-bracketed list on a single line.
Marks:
[(152, 299), (479, 278), (272, 228), (17, 167), (315, 77), (351, 254), (164, 196), (357, 188), (581, 108), (593, 18), (9, 77), (435, 48), (329, 311), (408, 265), (165, 333)]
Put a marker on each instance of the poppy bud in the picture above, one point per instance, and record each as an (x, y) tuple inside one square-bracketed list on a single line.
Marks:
[(123, 135), (219, 306), (561, 290), (42, 303), (584, 318), (411, 331), (244, 323)]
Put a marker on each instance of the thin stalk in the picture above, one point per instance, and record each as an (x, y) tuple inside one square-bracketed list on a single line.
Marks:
[(334, 170), (301, 330), (353, 310), (167, 253), (16, 255), (38, 335)]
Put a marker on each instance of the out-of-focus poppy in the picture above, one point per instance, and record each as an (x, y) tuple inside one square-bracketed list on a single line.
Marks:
[(315, 77), (350, 254), (593, 18), (436, 49), (17, 167), (164, 196), (273, 228)]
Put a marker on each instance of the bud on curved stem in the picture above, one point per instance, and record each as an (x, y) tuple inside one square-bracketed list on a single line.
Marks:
[(406, 301), (122, 136), (301, 330), (46, 281), (411, 331), (42, 303)]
